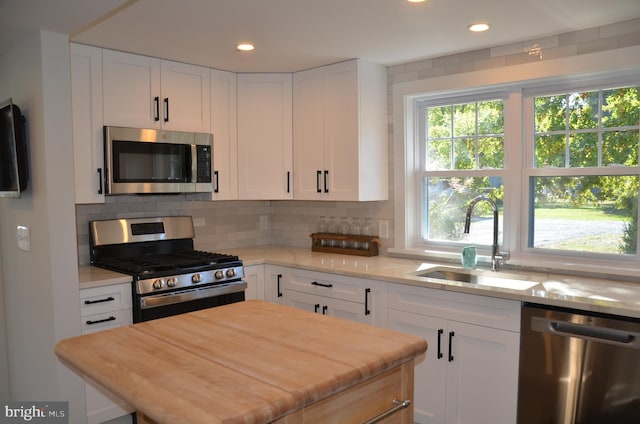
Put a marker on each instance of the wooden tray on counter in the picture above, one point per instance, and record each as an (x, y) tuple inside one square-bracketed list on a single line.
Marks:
[(317, 240)]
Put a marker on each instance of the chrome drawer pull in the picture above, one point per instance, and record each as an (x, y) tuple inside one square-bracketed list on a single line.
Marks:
[(397, 405)]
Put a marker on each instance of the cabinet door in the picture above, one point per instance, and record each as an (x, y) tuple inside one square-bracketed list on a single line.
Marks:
[(308, 135), (86, 107), (224, 126), (274, 284), (131, 90), (185, 97), (327, 306), (341, 131), (254, 276), (264, 137), (482, 378), (431, 371)]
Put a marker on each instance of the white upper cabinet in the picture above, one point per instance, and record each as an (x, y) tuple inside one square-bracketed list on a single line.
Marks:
[(340, 133), (264, 137), (86, 98), (224, 124), (146, 92)]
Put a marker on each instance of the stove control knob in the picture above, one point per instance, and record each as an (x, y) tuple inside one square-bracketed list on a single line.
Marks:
[(231, 273), (158, 284), (171, 282), (196, 278), (219, 275)]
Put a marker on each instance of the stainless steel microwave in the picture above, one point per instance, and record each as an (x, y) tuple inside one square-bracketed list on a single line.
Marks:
[(156, 161)]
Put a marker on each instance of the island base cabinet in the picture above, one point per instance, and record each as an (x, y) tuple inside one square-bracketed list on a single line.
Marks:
[(367, 402), (364, 402), (470, 373)]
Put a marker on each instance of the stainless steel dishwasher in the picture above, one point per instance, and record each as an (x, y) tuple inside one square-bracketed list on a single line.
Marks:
[(578, 368)]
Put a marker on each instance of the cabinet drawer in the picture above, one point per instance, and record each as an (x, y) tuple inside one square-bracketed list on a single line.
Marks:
[(106, 320), (363, 401), (480, 310), (334, 286), (98, 300)]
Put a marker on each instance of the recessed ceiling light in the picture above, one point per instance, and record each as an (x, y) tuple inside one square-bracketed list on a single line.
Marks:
[(479, 27), (416, 1), (245, 47)]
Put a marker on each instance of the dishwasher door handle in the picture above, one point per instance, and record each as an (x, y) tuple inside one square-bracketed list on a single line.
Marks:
[(601, 334)]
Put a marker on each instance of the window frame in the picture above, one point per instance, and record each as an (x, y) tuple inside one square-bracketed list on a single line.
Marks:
[(609, 67), (530, 170), (420, 106)]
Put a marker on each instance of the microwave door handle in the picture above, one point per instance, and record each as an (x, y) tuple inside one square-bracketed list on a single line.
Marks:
[(194, 163)]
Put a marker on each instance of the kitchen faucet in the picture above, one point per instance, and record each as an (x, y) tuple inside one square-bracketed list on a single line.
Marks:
[(497, 257)]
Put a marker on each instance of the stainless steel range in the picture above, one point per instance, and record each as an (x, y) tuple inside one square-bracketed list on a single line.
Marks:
[(169, 276)]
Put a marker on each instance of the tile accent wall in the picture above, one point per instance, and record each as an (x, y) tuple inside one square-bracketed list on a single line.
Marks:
[(591, 40), (218, 225), (229, 224)]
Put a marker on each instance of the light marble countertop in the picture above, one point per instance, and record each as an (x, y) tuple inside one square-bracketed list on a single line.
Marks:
[(92, 276), (590, 294)]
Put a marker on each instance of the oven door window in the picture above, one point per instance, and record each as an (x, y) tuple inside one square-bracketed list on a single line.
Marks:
[(141, 162)]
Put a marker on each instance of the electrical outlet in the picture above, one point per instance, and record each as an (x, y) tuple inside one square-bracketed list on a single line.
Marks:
[(199, 222), (383, 228), (23, 234)]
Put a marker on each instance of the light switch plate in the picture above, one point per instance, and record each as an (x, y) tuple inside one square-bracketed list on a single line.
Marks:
[(23, 234)]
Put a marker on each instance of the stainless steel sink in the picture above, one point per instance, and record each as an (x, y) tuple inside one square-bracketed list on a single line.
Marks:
[(480, 278)]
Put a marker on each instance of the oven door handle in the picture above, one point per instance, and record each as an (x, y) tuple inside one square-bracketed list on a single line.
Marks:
[(171, 298)]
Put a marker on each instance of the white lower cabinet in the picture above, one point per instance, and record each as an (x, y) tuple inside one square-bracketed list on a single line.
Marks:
[(254, 277), (470, 371), (102, 308), (357, 299)]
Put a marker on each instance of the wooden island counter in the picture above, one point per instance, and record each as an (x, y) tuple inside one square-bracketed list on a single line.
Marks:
[(252, 362)]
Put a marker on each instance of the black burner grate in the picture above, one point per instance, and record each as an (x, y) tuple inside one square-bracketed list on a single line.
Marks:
[(181, 262)]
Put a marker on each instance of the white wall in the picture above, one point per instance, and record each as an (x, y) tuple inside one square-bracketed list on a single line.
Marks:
[(41, 297)]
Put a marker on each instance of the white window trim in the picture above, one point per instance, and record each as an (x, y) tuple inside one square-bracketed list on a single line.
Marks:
[(613, 64)]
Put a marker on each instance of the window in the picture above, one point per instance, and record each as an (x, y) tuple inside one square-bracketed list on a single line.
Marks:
[(584, 175), (562, 167), (462, 156)]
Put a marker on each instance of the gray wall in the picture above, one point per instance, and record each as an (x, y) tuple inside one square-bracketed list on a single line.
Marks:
[(40, 287)]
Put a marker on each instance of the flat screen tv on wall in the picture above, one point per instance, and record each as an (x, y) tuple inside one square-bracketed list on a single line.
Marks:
[(13, 153)]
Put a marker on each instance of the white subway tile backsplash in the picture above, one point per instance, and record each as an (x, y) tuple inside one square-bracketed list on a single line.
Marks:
[(620, 28)]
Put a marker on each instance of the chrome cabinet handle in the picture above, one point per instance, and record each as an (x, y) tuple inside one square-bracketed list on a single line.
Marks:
[(397, 405)]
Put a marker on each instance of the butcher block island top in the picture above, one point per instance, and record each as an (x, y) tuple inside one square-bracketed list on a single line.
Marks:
[(251, 362)]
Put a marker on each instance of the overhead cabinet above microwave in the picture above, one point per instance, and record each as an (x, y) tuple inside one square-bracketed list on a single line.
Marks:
[(145, 92)]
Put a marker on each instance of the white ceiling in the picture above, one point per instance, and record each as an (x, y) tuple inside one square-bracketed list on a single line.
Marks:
[(291, 35)]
